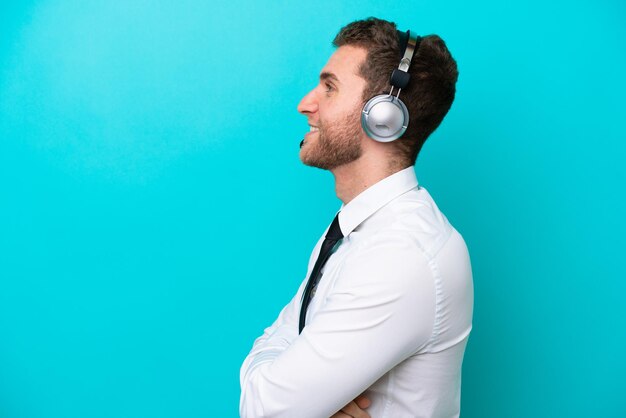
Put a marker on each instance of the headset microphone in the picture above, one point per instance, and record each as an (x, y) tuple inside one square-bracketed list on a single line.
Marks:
[(385, 117)]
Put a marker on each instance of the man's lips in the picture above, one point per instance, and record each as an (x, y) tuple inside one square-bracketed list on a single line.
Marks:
[(314, 129)]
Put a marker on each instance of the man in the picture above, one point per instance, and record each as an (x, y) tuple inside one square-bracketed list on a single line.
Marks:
[(379, 326)]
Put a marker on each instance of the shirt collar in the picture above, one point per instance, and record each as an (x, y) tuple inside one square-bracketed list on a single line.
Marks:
[(366, 203)]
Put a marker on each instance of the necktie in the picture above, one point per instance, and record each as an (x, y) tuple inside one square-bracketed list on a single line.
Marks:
[(332, 236)]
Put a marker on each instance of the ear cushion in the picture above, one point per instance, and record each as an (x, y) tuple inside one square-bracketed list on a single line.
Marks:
[(384, 118)]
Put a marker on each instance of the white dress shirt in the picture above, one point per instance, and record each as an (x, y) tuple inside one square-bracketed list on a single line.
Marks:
[(390, 317)]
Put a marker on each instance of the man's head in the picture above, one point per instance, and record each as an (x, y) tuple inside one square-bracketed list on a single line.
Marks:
[(368, 51)]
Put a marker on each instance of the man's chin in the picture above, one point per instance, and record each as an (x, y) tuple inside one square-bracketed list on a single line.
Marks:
[(306, 159), (315, 164)]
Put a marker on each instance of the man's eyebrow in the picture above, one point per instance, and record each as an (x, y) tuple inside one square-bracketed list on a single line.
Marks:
[(325, 75)]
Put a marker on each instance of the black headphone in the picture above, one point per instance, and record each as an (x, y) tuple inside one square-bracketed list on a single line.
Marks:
[(385, 117)]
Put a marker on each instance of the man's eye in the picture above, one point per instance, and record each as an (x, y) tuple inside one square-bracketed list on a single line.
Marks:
[(329, 88)]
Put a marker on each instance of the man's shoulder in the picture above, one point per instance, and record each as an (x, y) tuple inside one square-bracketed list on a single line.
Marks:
[(412, 219)]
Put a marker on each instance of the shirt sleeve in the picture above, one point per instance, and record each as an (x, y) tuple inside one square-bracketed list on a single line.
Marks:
[(275, 339), (380, 311)]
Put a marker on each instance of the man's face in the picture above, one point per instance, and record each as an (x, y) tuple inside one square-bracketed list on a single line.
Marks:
[(333, 110)]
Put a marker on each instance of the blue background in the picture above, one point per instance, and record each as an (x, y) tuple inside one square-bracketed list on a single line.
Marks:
[(155, 216)]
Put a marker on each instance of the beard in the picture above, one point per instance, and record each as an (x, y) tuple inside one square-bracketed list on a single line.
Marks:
[(337, 143)]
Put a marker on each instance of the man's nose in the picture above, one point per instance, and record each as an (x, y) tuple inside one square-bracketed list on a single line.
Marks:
[(308, 104)]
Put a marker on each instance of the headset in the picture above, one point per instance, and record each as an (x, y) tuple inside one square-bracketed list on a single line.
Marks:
[(385, 117)]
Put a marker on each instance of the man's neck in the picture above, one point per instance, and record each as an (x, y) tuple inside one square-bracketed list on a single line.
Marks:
[(353, 178)]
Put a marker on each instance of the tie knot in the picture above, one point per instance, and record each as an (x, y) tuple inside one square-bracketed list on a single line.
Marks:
[(334, 232)]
